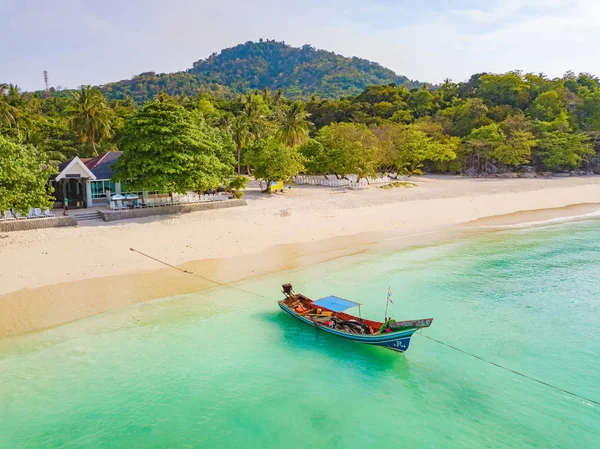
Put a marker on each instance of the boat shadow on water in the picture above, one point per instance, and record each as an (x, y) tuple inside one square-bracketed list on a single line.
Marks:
[(299, 337)]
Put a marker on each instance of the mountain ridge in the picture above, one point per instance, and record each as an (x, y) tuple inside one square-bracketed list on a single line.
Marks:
[(299, 71)]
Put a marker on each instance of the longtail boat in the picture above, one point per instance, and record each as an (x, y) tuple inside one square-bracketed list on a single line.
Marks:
[(327, 314)]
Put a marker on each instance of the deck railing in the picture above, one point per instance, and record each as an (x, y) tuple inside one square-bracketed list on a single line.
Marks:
[(349, 181)]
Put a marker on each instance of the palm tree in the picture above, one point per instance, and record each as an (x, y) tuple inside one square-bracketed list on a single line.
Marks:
[(255, 112), (91, 116), (226, 122), (294, 125), (7, 112), (13, 107), (240, 132)]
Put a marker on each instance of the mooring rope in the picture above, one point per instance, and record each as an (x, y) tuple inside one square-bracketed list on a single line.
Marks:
[(518, 373), (419, 333), (221, 284)]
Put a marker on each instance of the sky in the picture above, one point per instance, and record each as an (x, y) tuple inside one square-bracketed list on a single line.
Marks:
[(96, 42)]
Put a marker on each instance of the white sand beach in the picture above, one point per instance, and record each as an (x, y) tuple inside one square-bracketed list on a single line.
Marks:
[(53, 276)]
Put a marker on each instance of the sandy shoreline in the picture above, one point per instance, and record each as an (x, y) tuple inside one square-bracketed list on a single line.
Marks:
[(53, 276)]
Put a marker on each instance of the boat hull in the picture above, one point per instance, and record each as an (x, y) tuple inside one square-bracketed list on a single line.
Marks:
[(396, 341)]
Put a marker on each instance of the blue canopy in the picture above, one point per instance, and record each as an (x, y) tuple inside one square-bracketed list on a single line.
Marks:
[(334, 303)]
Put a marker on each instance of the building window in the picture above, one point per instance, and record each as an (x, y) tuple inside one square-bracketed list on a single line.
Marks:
[(99, 188)]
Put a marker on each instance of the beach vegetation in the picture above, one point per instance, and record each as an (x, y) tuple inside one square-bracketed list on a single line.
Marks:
[(167, 149), (347, 148), (24, 173), (236, 186), (90, 116), (273, 161), (341, 115)]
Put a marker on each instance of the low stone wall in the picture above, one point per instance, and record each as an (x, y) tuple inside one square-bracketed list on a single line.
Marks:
[(37, 223), (114, 215)]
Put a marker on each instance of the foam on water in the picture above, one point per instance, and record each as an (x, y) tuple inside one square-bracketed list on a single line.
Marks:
[(225, 369), (550, 221)]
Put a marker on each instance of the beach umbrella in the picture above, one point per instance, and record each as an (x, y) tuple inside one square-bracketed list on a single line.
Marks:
[(131, 196), (117, 196)]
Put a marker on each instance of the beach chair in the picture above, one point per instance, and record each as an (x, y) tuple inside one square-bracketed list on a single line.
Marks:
[(38, 213), (120, 205), (8, 215), (136, 204), (30, 214), (48, 213)]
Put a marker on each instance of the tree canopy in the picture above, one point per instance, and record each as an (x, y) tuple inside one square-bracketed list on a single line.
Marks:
[(490, 123), (24, 174), (272, 161), (166, 149)]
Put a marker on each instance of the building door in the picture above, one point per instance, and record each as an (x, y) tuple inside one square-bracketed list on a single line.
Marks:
[(74, 191)]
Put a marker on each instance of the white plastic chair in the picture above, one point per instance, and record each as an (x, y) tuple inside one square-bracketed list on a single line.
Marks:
[(38, 213), (48, 213)]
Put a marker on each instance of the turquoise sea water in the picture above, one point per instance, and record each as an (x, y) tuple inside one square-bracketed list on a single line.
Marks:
[(225, 369)]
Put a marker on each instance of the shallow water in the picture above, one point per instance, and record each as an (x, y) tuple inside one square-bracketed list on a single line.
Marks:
[(227, 369)]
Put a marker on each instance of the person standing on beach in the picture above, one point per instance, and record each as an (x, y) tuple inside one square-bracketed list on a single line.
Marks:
[(65, 206)]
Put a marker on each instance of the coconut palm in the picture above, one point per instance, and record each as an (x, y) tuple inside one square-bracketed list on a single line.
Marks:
[(240, 132), (13, 106), (256, 112), (294, 124), (91, 116), (7, 112)]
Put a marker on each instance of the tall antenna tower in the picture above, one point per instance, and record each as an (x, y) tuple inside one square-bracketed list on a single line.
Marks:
[(47, 91)]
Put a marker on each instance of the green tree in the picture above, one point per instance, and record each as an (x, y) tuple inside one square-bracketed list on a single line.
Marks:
[(294, 124), (240, 132), (588, 112), (547, 106), (7, 111), (349, 149), (405, 148), (91, 116), (560, 150), (273, 161), (464, 116), (480, 145), (24, 173), (256, 112), (167, 150), (518, 141), (314, 157), (508, 88), (53, 137), (422, 103)]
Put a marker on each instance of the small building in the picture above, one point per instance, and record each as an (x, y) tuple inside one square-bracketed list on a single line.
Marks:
[(86, 182)]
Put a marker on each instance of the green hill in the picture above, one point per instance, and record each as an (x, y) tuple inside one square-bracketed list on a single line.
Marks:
[(299, 72)]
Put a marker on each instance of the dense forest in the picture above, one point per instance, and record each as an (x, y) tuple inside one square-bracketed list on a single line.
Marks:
[(298, 72), (491, 125)]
